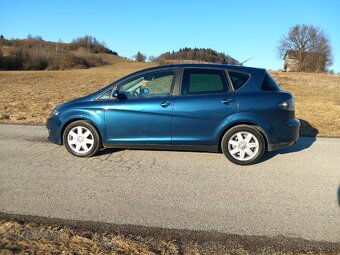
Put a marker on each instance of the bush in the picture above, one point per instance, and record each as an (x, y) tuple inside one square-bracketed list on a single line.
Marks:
[(33, 53), (71, 61), (91, 44)]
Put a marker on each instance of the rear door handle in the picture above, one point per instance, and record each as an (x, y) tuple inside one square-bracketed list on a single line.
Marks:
[(165, 104), (227, 101)]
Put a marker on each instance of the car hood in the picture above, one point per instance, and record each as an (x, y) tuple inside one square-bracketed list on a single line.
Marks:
[(62, 106), (91, 97)]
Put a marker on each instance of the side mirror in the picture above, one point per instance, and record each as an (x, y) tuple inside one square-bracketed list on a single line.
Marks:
[(118, 95), (115, 93), (145, 91)]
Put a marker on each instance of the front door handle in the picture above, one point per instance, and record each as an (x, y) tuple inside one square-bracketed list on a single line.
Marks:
[(227, 101), (165, 104)]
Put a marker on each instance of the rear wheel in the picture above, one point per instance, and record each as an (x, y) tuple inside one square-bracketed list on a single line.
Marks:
[(82, 139), (243, 145)]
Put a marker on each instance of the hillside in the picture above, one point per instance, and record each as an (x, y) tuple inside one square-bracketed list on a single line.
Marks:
[(317, 97), (34, 53)]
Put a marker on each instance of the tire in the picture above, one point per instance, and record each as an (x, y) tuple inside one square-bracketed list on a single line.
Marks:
[(242, 149), (81, 139)]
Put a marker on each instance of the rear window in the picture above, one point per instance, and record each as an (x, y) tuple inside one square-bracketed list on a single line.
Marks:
[(269, 84), (238, 79)]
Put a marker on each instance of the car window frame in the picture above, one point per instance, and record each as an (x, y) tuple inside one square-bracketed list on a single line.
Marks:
[(223, 71), (98, 98), (241, 72)]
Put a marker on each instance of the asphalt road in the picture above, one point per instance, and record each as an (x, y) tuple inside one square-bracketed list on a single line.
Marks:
[(293, 193)]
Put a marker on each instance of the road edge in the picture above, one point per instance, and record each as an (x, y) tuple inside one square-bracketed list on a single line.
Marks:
[(255, 243)]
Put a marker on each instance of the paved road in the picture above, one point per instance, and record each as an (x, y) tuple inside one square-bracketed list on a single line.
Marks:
[(294, 193)]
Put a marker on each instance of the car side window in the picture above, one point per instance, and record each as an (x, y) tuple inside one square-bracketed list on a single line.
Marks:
[(203, 81), (157, 84), (238, 79)]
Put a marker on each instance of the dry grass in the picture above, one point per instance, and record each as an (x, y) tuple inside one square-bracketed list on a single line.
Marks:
[(29, 96), (33, 238)]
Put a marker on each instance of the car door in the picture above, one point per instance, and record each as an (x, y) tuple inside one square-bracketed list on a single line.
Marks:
[(141, 112), (204, 106)]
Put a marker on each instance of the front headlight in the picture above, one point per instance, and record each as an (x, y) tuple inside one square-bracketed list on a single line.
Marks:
[(54, 113)]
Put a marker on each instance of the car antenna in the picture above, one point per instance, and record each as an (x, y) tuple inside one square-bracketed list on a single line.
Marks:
[(241, 64)]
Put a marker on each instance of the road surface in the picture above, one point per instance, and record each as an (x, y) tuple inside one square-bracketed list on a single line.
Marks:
[(292, 193)]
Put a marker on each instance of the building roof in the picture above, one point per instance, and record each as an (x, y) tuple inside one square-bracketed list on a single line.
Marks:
[(293, 54)]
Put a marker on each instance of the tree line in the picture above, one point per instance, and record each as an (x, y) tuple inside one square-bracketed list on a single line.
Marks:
[(34, 53), (195, 55)]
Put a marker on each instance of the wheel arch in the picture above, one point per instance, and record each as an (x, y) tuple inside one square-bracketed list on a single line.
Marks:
[(68, 122), (248, 123)]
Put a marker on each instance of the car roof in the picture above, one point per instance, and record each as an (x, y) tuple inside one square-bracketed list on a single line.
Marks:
[(206, 65)]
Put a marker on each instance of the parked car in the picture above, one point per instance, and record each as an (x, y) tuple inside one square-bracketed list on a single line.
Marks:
[(238, 110)]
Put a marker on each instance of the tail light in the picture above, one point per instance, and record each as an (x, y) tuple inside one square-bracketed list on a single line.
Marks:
[(287, 105)]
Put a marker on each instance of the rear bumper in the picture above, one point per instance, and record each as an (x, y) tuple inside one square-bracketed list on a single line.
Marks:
[(286, 135), (277, 146)]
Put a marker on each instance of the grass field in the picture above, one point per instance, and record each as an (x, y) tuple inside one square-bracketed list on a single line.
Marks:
[(29, 96)]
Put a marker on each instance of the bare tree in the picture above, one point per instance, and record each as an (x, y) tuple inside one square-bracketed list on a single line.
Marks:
[(152, 59), (309, 46), (140, 57)]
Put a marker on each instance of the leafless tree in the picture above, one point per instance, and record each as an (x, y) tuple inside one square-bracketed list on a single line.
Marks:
[(309, 46), (152, 59)]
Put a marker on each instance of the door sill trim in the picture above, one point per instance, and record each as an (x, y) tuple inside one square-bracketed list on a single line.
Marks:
[(169, 147)]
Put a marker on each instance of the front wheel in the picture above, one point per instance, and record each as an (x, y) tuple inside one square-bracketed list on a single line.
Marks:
[(243, 145), (81, 139)]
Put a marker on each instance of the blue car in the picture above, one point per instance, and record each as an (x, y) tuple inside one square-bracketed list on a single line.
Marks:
[(238, 110)]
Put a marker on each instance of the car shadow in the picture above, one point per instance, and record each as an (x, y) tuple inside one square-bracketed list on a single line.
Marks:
[(307, 138), (301, 144), (306, 129), (106, 151)]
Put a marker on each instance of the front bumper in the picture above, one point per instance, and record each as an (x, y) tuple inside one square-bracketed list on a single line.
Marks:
[(54, 127), (285, 135)]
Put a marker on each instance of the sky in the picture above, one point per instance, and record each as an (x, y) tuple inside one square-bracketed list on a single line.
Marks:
[(242, 29)]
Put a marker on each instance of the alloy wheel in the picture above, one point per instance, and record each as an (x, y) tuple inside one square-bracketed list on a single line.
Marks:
[(243, 146), (80, 139)]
